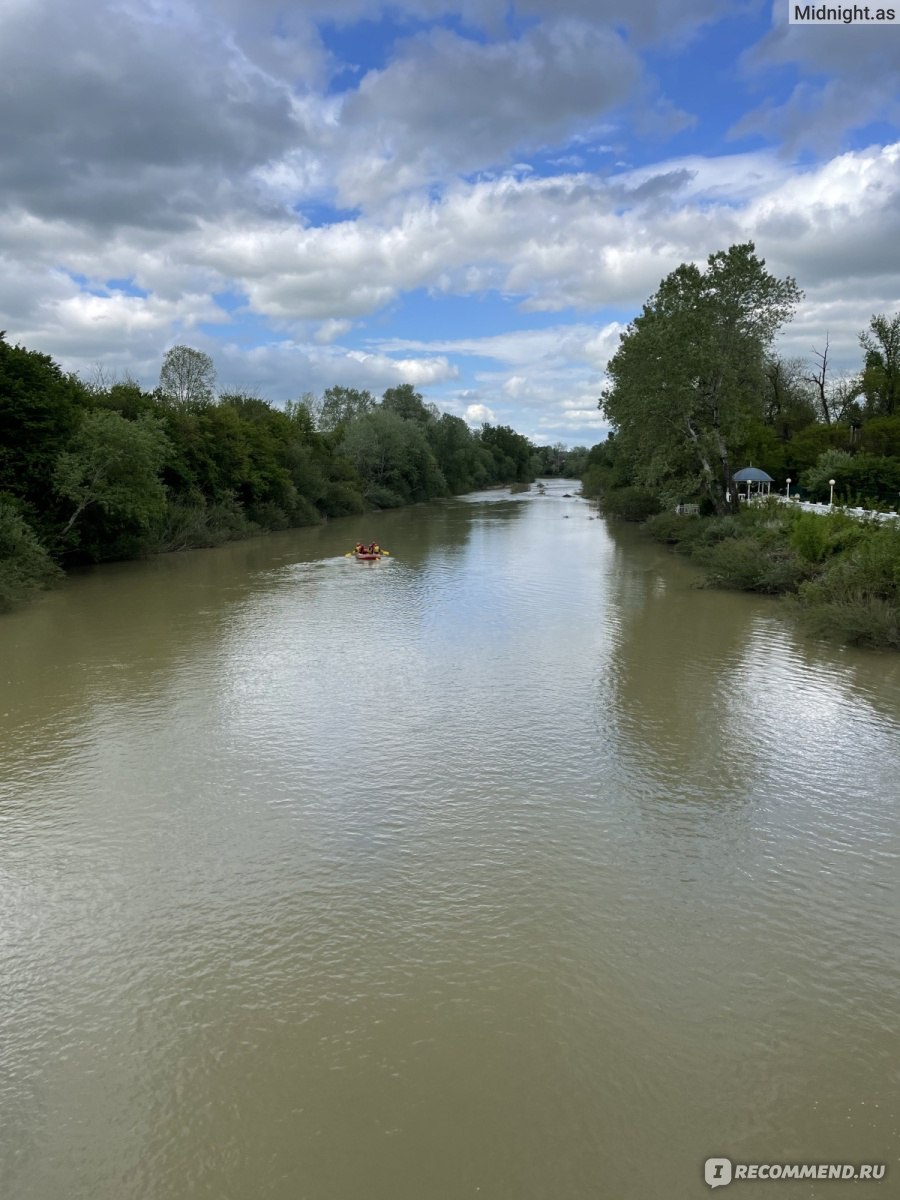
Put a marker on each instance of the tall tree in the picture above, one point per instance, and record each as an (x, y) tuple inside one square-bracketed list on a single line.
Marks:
[(340, 405), (880, 382), (393, 458), (789, 404), (40, 408), (113, 465), (187, 378), (688, 376), (409, 404)]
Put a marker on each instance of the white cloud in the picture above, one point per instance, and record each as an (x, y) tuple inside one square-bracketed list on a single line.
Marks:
[(849, 78), (330, 331), (476, 103), (197, 150), (479, 414)]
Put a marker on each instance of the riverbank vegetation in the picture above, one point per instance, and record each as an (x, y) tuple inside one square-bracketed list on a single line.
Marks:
[(840, 575), (696, 391), (91, 472)]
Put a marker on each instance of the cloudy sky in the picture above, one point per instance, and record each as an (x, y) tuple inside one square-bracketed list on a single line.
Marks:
[(469, 195)]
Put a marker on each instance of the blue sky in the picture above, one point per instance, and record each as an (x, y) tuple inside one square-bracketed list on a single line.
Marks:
[(473, 197)]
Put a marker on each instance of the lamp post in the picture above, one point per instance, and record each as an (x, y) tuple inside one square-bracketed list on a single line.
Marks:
[(787, 490), (831, 497)]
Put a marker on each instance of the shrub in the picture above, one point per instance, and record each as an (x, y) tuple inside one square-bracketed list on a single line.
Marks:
[(866, 621), (857, 596), (382, 497), (684, 533), (745, 563), (809, 537), (196, 525), (25, 566), (671, 528), (342, 500), (304, 512), (629, 503)]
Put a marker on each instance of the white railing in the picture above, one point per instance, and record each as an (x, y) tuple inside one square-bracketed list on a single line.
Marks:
[(824, 508)]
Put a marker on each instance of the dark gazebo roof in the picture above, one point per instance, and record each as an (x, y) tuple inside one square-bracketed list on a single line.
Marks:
[(752, 475)]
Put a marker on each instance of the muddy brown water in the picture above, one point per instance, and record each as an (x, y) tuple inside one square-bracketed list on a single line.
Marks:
[(511, 867)]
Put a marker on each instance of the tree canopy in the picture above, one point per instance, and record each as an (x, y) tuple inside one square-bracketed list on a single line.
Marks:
[(107, 470), (187, 377), (688, 377)]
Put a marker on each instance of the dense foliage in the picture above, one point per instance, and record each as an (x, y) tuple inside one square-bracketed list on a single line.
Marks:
[(677, 437), (687, 381), (842, 574), (696, 393), (93, 472)]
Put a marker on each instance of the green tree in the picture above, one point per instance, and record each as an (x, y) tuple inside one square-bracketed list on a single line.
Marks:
[(304, 414), (40, 408), (25, 565), (187, 378), (513, 455), (789, 406), (113, 466), (457, 453), (409, 404), (340, 405), (688, 376), (393, 458), (880, 381)]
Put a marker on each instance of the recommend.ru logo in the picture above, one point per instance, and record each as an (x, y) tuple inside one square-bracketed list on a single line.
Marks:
[(719, 1171)]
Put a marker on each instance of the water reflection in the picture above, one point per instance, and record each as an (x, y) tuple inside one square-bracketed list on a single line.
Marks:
[(513, 864)]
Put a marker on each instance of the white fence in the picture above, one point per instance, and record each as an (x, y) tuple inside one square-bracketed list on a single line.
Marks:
[(823, 509)]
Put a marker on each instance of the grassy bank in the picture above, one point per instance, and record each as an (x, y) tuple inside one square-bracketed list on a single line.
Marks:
[(841, 576)]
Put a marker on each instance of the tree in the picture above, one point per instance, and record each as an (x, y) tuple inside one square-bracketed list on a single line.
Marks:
[(513, 454), (788, 406), (834, 398), (114, 465), (187, 378), (40, 408), (393, 458), (880, 382), (340, 405), (409, 404), (688, 376), (457, 454), (25, 565), (304, 414)]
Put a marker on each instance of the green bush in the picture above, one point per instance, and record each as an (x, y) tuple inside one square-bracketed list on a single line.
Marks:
[(304, 512), (856, 597), (719, 529), (25, 566), (684, 533), (382, 497), (747, 564), (629, 503), (195, 525), (866, 621), (342, 500), (673, 529), (809, 537)]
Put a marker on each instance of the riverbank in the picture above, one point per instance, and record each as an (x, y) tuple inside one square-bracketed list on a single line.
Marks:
[(840, 575), (27, 568), (92, 474)]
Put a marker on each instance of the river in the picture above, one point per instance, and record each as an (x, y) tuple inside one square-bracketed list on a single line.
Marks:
[(512, 866)]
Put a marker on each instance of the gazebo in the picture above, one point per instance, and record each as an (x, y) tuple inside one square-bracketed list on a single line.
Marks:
[(753, 476)]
